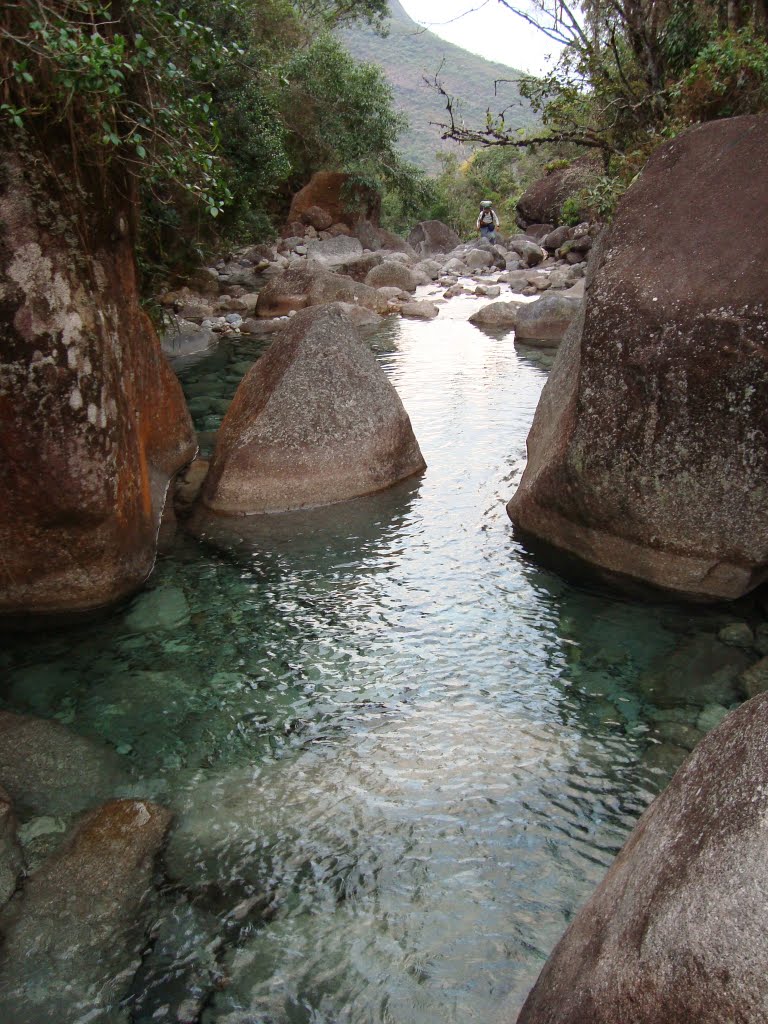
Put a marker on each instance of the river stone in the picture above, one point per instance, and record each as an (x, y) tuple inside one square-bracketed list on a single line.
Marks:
[(648, 454), (11, 859), (311, 285), (710, 717), (317, 217), (456, 266), (497, 314), (360, 316), (359, 267), (761, 638), (160, 609), (559, 236), (432, 236), (561, 278), (478, 260), (545, 321), (336, 288), (431, 268), (529, 252), (391, 274), (755, 679), (419, 310), (700, 670), (737, 634), (334, 251), (75, 937), (676, 931), (253, 326), (664, 758), (315, 421), (93, 422), (47, 769)]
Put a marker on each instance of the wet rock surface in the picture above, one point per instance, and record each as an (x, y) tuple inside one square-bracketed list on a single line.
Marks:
[(48, 769), (675, 932), (75, 936)]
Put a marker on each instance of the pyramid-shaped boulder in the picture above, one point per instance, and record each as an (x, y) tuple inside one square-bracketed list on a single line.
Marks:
[(314, 421)]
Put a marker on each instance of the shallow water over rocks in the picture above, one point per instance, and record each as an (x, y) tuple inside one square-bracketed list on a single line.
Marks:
[(400, 753)]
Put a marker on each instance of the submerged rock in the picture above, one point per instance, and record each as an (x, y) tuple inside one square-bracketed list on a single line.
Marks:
[(315, 421), (648, 455), (74, 938), (165, 608), (701, 670), (676, 931), (11, 860), (47, 769)]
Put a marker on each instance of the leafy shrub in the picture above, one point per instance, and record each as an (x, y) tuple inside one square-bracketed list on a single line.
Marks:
[(728, 77)]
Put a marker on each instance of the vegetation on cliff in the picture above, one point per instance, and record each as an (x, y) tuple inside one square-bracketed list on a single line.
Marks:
[(633, 74)]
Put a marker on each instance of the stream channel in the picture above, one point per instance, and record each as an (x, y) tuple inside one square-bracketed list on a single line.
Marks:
[(400, 753)]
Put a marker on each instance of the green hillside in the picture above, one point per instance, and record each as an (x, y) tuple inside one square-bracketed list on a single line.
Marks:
[(407, 55)]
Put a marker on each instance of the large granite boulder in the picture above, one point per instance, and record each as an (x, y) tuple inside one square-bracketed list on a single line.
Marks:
[(545, 321), (431, 236), (93, 421), (543, 200), (374, 237), (76, 935), (676, 930), (314, 421), (648, 454), (330, 192)]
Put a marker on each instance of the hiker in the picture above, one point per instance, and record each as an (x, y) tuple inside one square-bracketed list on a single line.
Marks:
[(487, 222)]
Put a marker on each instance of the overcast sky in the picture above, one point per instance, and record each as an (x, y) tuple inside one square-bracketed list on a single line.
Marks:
[(487, 28)]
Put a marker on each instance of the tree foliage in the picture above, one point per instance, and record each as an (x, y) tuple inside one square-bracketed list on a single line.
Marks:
[(215, 109), (634, 72)]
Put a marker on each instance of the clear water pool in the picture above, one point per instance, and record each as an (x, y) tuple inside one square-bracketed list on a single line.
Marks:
[(400, 753)]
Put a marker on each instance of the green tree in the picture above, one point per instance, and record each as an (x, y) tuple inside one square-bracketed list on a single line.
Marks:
[(634, 72)]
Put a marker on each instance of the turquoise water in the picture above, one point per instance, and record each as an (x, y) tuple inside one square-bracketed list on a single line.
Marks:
[(400, 753)]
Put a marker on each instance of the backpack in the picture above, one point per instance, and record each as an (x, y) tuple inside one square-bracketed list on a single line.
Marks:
[(486, 217)]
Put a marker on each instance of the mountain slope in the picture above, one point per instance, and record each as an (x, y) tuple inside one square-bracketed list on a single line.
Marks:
[(407, 55)]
